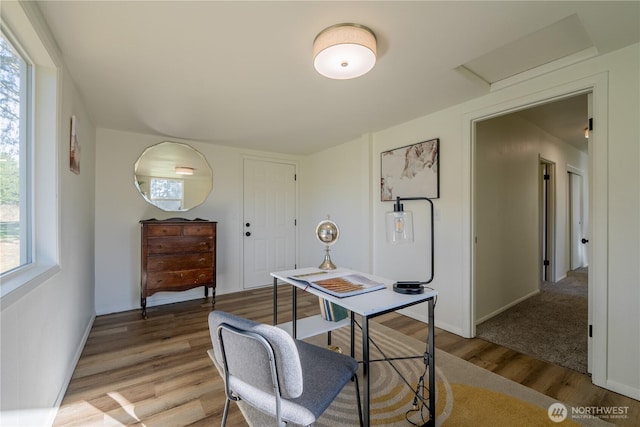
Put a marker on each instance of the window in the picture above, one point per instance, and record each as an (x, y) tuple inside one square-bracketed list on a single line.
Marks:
[(15, 225), (29, 130), (167, 194)]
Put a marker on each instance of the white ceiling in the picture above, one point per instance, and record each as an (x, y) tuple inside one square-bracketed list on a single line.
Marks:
[(241, 74)]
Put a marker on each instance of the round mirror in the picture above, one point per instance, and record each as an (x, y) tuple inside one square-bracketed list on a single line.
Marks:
[(173, 176)]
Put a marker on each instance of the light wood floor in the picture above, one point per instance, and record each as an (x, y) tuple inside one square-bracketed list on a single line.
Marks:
[(156, 372)]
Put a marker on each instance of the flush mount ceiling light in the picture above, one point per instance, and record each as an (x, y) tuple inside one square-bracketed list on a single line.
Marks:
[(183, 170), (344, 51)]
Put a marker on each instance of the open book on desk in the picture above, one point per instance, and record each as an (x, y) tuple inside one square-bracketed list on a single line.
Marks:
[(339, 284)]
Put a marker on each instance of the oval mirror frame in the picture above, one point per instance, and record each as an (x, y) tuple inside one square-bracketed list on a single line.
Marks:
[(173, 176)]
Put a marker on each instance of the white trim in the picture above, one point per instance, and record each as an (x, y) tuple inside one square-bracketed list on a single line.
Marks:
[(72, 367), (598, 204), (507, 307)]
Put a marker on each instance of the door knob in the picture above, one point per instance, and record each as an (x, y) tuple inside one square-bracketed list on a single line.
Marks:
[(248, 224), (584, 241), (248, 233)]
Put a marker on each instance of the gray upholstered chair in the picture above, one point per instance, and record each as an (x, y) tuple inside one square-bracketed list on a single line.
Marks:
[(287, 380)]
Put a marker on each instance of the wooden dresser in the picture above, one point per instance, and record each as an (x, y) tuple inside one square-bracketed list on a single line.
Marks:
[(177, 255)]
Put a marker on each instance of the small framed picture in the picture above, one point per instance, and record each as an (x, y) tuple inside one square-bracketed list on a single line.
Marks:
[(411, 171), (74, 149)]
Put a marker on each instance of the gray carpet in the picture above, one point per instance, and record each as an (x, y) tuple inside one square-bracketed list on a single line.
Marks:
[(550, 326)]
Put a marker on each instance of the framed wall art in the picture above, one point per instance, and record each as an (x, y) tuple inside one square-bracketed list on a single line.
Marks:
[(74, 149), (411, 171)]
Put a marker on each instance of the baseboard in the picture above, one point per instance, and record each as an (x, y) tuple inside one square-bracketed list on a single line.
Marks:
[(424, 319), (506, 307), (70, 370), (624, 389)]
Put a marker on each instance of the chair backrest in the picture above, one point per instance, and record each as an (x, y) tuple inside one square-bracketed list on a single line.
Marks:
[(247, 359)]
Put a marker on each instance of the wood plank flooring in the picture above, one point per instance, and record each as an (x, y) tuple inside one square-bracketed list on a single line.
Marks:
[(156, 372)]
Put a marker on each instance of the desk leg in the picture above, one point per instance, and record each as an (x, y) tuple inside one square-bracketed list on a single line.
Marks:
[(294, 320), (275, 301), (432, 364), (365, 369), (353, 334)]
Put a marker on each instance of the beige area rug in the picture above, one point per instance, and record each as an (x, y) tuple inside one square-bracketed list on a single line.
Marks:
[(467, 395)]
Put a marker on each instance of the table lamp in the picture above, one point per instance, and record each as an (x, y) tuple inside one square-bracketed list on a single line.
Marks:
[(399, 225)]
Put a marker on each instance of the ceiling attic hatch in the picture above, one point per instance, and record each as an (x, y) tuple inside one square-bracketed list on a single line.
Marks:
[(559, 40)]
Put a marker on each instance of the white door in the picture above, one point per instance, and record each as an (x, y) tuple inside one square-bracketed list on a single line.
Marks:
[(576, 218), (269, 223), (587, 230)]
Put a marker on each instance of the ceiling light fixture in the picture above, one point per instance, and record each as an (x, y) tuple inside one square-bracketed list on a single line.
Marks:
[(344, 51), (184, 170)]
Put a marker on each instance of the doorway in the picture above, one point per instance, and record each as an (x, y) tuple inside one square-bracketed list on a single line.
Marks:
[(269, 220), (521, 209)]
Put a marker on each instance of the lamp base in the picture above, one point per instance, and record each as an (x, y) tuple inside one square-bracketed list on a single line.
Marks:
[(327, 264), (409, 288)]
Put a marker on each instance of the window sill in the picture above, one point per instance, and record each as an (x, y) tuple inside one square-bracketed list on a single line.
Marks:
[(20, 283)]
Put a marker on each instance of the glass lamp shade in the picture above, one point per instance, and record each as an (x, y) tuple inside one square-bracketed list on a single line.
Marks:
[(399, 227)]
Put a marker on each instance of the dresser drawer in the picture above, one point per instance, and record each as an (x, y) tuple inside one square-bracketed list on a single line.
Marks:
[(180, 262), (172, 280), (164, 230), (198, 230), (168, 245)]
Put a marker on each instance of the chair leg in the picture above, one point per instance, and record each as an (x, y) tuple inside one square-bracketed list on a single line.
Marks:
[(224, 414), (355, 377)]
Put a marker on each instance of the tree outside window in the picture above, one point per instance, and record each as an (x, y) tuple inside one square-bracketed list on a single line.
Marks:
[(13, 107)]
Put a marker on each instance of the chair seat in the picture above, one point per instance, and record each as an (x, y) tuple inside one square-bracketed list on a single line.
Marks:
[(321, 385)]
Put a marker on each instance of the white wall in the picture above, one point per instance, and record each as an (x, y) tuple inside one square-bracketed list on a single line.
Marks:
[(508, 150), (336, 182), (43, 331), (119, 208)]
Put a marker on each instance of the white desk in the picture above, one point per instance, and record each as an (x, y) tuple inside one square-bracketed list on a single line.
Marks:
[(367, 305)]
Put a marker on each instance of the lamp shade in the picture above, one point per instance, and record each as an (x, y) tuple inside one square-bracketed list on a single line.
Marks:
[(399, 226), (344, 51)]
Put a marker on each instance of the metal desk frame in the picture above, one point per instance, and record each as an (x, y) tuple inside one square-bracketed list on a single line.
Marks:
[(368, 306)]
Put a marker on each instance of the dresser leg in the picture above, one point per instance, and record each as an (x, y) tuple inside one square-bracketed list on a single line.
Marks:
[(143, 303), (213, 298)]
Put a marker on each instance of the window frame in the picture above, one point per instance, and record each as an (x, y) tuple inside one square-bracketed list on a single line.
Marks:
[(41, 148)]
